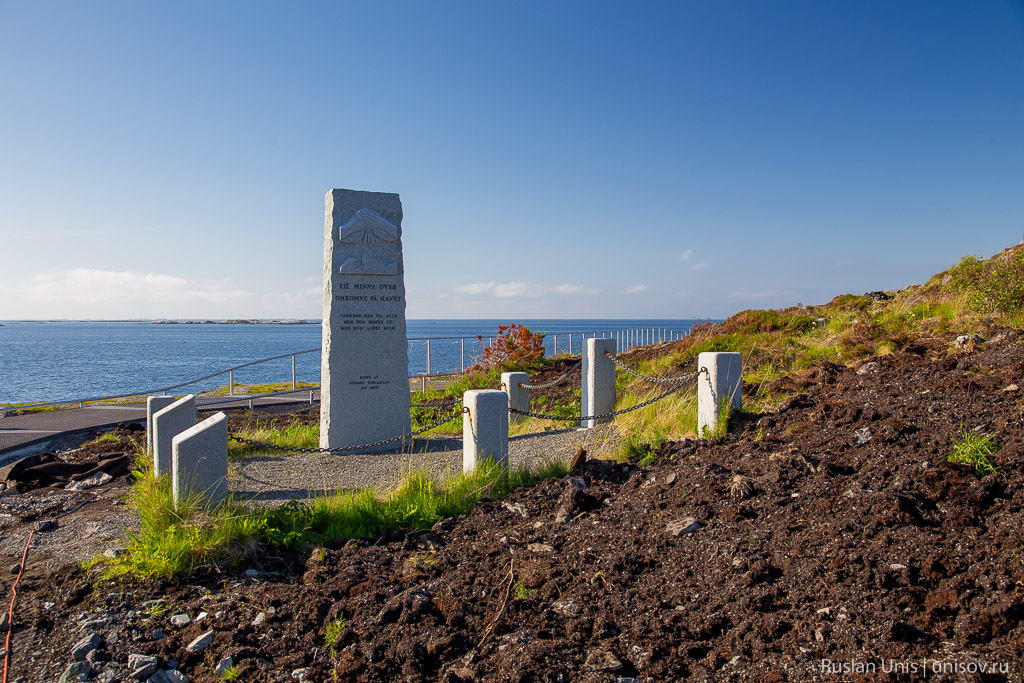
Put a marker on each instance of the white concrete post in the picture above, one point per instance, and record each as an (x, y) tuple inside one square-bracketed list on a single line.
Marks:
[(597, 392), (167, 424), (200, 462), (518, 395), (484, 428), (154, 404), (719, 388)]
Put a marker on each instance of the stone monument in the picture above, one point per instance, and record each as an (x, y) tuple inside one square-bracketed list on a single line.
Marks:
[(364, 368)]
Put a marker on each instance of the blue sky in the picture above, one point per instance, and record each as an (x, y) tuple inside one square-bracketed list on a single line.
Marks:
[(554, 159)]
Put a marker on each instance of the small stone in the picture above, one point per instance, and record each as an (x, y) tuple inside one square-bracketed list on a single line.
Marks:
[(93, 657), (517, 508), (1011, 387), (46, 525), (172, 663), (141, 667), (868, 368), (539, 548), (260, 618), (681, 527), (602, 660), (223, 666), (202, 615), (862, 436), (180, 620), (264, 664), (219, 614), (200, 643), (113, 553), (578, 483), (98, 479), (671, 478), (5, 623), (251, 573), (15, 568), (897, 567), (168, 676), (158, 634), (85, 646), (300, 674), (78, 671)]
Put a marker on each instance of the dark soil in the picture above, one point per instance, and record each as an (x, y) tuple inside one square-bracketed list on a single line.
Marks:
[(833, 530)]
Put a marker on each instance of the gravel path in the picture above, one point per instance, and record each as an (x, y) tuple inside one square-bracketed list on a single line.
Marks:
[(277, 478)]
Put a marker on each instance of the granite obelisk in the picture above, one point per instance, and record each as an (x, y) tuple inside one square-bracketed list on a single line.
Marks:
[(364, 370)]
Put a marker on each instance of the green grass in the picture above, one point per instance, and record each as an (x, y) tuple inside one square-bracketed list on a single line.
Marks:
[(975, 450), (295, 434), (171, 541), (232, 674), (256, 389), (332, 631)]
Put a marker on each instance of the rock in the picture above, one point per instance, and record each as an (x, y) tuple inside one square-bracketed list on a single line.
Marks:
[(260, 619), (5, 623), (46, 525), (966, 340), (539, 548), (168, 676), (15, 568), (862, 436), (681, 527), (114, 552), (571, 502), (141, 667), (578, 483), (223, 666), (602, 660), (180, 620), (517, 508), (252, 573), (85, 646), (79, 671), (579, 460), (202, 642), (98, 479), (1012, 387), (158, 634), (202, 615), (868, 368), (671, 478), (300, 674)]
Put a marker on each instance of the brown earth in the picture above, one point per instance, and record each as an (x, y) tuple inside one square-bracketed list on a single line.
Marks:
[(833, 529)]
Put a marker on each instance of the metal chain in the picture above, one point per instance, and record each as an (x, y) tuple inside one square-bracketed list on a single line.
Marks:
[(656, 380), (442, 404), (343, 449), (554, 381), (683, 381)]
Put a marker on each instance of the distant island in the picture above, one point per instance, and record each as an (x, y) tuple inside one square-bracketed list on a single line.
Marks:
[(234, 322)]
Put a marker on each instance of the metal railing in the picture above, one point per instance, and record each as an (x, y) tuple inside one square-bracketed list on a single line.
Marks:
[(439, 357)]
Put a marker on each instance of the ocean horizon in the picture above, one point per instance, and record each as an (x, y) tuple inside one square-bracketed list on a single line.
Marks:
[(55, 360)]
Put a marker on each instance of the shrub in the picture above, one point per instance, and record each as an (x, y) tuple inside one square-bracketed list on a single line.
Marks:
[(515, 345), (997, 284)]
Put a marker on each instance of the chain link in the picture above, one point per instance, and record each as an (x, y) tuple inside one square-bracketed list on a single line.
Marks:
[(554, 381), (442, 404), (682, 381), (655, 380), (343, 449)]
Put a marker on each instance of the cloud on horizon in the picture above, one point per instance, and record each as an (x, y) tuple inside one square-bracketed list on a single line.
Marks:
[(636, 289), (111, 294), (521, 289)]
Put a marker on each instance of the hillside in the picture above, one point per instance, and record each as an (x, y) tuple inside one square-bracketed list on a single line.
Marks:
[(827, 536)]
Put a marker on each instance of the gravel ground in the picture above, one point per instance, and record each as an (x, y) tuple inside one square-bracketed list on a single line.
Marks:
[(276, 478)]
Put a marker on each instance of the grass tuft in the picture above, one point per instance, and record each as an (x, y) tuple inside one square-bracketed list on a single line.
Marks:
[(975, 450)]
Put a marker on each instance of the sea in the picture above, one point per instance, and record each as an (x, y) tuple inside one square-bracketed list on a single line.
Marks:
[(48, 361)]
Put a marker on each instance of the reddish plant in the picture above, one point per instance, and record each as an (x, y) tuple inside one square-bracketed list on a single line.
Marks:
[(514, 345)]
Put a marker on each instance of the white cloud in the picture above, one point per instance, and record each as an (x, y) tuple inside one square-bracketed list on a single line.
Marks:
[(686, 255), (574, 289), (475, 288), (111, 294), (699, 266), (510, 289), (636, 289)]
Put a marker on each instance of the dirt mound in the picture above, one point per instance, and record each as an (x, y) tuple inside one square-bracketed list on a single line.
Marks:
[(830, 534)]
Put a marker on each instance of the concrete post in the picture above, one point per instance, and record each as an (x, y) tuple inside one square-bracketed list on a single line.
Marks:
[(484, 428), (518, 395), (718, 389), (200, 462), (597, 392), (167, 424), (154, 404)]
